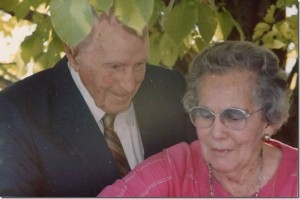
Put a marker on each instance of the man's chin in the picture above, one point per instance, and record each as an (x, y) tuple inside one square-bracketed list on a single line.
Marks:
[(115, 109)]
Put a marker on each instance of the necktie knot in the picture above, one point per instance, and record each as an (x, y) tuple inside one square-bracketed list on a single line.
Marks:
[(108, 121)]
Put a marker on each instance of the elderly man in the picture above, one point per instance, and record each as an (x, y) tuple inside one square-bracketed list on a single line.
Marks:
[(52, 134)]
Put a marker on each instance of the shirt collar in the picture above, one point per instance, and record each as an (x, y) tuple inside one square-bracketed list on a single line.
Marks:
[(95, 110)]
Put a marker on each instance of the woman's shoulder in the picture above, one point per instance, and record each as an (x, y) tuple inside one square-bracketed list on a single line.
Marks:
[(288, 152), (286, 178), (183, 149)]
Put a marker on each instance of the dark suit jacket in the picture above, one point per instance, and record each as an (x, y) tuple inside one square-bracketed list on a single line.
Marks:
[(50, 144)]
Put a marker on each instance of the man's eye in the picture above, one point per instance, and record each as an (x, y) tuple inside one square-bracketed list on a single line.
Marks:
[(140, 65), (115, 66)]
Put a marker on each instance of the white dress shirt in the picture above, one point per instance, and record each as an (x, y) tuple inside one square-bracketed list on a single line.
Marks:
[(125, 124)]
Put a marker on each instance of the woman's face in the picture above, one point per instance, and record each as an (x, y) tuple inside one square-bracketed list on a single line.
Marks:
[(225, 149)]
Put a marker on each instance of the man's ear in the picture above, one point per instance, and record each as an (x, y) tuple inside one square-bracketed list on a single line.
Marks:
[(71, 54)]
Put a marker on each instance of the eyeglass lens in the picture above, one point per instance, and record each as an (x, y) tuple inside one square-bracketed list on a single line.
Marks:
[(233, 118)]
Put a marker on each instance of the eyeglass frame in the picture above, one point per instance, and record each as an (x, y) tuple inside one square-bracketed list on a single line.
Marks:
[(246, 114)]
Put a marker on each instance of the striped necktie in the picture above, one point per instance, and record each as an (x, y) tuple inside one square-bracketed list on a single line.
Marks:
[(114, 144)]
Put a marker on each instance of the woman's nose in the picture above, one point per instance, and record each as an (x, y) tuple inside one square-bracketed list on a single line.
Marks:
[(218, 129)]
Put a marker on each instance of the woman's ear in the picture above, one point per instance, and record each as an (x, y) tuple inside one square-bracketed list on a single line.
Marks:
[(71, 54), (270, 129)]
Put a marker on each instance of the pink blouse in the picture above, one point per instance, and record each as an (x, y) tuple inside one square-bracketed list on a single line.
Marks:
[(180, 171)]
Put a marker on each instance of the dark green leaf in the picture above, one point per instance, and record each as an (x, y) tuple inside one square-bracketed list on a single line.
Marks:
[(22, 9), (225, 23), (180, 21), (31, 47), (207, 22)]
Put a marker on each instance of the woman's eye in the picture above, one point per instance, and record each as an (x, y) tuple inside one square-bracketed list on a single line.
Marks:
[(234, 116)]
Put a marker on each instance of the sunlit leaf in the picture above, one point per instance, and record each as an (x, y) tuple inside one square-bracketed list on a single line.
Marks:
[(269, 18), (260, 29), (134, 13), (275, 44), (101, 5), (180, 21), (207, 22), (71, 19)]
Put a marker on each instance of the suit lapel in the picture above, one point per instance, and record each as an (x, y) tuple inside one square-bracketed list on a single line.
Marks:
[(74, 120)]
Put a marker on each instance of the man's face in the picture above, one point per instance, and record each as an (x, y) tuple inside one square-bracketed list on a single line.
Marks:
[(112, 65)]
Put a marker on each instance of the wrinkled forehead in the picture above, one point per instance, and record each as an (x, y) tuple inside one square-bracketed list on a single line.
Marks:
[(234, 87)]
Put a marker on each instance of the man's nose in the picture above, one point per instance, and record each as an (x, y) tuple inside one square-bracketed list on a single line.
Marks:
[(128, 81)]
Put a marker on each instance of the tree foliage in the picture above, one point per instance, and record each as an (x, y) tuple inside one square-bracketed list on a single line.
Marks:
[(179, 29)]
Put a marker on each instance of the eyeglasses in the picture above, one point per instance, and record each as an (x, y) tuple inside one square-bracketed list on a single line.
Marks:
[(233, 118)]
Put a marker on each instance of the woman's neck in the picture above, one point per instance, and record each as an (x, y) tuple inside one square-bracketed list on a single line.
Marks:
[(245, 181)]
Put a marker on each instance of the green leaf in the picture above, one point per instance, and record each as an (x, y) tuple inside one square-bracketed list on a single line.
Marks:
[(200, 44), (134, 13), (9, 5), (163, 51), (269, 18), (157, 10), (102, 5), (207, 22), (31, 47), (71, 19), (225, 22), (36, 3), (275, 44), (290, 3), (180, 21), (260, 29), (22, 9), (53, 53), (169, 51), (171, 55), (155, 54), (43, 28), (282, 4)]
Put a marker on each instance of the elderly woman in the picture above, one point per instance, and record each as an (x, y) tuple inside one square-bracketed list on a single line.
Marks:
[(237, 98)]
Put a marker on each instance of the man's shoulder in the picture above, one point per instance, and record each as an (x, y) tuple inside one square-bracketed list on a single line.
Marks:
[(160, 71)]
